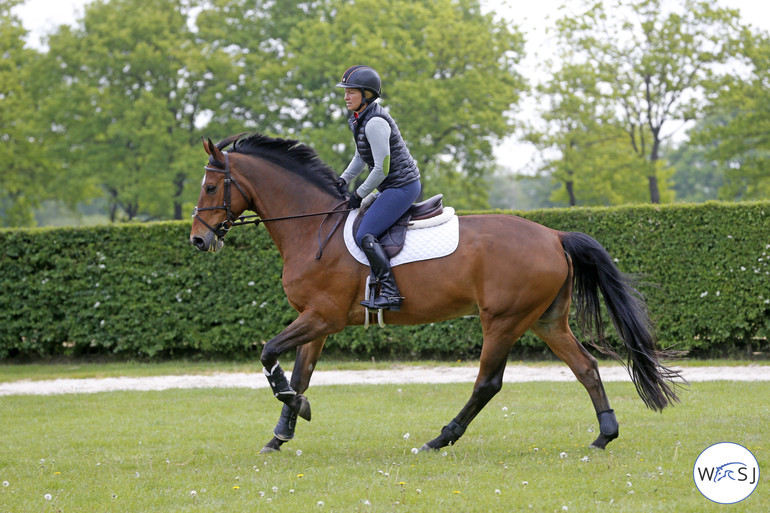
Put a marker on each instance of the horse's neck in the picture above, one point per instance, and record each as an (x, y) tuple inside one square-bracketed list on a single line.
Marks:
[(280, 194)]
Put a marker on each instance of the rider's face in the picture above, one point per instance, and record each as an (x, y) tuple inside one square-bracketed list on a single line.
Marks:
[(353, 98)]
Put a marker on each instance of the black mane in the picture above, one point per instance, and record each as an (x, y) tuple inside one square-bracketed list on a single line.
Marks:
[(292, 155)]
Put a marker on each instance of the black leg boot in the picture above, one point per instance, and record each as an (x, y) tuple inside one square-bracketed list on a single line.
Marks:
[(389, 297)]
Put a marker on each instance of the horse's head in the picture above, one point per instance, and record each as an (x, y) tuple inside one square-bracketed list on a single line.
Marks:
[(218, 207)]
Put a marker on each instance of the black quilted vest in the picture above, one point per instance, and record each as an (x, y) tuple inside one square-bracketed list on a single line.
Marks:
[(403, 168)]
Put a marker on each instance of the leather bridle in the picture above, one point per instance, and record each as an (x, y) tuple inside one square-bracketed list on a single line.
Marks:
[(221, 229)]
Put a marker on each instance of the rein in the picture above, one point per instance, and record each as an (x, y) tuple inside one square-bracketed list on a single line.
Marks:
[(221, 229)]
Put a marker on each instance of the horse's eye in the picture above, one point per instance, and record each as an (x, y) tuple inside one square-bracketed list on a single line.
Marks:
[(211, 189)]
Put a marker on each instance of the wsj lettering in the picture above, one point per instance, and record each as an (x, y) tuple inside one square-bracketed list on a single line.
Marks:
[(734, 471)]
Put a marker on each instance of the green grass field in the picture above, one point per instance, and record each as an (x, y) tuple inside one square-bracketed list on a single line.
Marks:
[(198, 450)]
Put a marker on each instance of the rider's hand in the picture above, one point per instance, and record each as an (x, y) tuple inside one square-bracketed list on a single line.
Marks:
[(354, 201), (341, 184)]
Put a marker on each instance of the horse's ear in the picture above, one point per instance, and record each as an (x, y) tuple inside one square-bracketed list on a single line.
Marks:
[(206, 145), (215, 152)]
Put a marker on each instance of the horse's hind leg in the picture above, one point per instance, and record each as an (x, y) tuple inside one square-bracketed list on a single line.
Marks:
[(499, 336), (554, 329), (304, 365)]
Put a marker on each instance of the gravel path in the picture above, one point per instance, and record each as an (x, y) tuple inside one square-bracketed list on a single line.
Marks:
[(513, 374)]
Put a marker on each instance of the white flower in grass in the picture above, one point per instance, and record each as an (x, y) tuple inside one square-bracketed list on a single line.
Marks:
[(275, 489), (193, 493), (584, 459), (367, 503), (6, 484), (47, 497), (261, 494), (562, 455), (406, 436), (320, 504), (299, 452), (415, 450), (498, 492)]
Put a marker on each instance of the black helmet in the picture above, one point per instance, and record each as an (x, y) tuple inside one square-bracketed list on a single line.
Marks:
[(362, 77)]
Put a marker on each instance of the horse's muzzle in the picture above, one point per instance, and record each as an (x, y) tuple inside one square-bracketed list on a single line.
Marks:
[(210, 244)]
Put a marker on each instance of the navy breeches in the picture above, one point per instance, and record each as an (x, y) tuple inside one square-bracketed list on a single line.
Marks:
[(389, 206)]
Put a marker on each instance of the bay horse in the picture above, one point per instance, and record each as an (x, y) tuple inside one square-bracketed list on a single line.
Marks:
[(514, 274)]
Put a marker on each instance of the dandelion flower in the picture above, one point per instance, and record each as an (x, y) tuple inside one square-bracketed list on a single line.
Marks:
[(193, 493), (47, 496), (320, 503), (236, 487), (505, 408), (456, 491), (418, 490), (415, 450), (6, 484), (498, 492), (299, 452), (291, 490), (563, 455), (275, 489), (300, 475), (406, 436)]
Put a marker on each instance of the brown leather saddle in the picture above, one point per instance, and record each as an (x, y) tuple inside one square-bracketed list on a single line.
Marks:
[(392, 241)]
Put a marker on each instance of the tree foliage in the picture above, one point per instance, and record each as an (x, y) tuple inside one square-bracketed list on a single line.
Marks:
[(653, 64), (123, 97), (737, 134), (26, 171)]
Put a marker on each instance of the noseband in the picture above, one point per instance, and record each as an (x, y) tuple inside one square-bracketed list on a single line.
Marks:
[(221, 229)]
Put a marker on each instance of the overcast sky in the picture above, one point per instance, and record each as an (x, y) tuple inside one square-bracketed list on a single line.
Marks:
[(532, 16)]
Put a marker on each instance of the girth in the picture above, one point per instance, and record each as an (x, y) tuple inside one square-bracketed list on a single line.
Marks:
[(392, 241)]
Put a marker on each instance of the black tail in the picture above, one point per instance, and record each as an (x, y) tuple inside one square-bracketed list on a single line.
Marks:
[(594, 270)]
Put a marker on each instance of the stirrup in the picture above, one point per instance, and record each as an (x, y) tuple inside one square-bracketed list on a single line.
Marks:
[(369, 292)]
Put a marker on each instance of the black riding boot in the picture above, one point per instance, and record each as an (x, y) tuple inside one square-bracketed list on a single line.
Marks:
[(389, 297)]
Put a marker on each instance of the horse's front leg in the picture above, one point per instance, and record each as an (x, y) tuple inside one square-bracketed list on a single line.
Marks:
[(307, 357), (307, 327)]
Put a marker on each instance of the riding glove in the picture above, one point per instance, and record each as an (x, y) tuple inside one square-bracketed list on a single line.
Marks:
[(354, 201)]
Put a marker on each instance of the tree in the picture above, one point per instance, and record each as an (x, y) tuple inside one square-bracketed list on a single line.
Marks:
[(26, 170), (655, 64), (448, 78), (737, 135), (132, 90), (590, 155)]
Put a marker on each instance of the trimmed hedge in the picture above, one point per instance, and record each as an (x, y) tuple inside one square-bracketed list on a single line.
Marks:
[(140, 290)]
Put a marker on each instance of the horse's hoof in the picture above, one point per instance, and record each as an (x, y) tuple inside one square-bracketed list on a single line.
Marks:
[(269, 450), (301, 406), (602, 440), (427, 448)]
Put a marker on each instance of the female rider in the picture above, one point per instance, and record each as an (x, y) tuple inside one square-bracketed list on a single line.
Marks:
[(392, 171)]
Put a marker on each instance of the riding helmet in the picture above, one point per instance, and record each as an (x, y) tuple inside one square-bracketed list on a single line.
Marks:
[(362, 77)]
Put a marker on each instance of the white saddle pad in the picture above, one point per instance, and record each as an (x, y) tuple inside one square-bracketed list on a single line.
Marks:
[(432, 238)]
